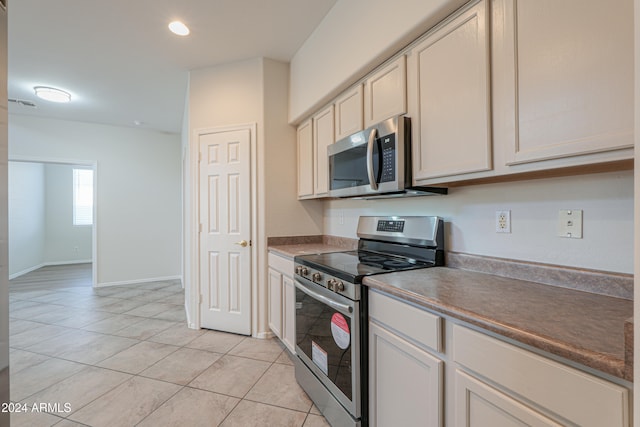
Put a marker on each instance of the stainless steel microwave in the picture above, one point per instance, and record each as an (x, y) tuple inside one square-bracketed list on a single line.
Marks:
[(375, 162)]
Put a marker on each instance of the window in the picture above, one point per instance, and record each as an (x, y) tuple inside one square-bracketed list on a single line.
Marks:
[(82, 197)]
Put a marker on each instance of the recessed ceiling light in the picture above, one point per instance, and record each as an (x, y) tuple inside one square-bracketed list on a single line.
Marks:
[(179, 28), (52, 94)]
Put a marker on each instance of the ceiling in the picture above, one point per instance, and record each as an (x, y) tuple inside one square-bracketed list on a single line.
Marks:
[(121, 64)]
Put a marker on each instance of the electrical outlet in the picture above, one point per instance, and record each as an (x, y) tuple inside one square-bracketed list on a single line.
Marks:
[(503, 221), (570, 223)]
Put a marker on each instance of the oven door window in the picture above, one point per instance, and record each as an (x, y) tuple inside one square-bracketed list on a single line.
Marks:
[(330, 350)]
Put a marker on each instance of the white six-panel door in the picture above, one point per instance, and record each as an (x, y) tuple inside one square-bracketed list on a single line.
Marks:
[(225, 221)]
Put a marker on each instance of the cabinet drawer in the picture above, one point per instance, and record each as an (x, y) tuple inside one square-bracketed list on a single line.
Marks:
[(419, 326), (280, 263), (573, 395)]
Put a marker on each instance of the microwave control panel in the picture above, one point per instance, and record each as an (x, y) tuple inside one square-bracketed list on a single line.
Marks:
[(388, 148)]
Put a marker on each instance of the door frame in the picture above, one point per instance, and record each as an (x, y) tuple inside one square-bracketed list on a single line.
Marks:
[(93, 164), (194, 226)]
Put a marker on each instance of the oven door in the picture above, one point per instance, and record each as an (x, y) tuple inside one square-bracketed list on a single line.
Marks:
[(327, 341)]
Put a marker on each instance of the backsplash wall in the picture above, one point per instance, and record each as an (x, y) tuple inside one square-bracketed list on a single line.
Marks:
[(469, 213)]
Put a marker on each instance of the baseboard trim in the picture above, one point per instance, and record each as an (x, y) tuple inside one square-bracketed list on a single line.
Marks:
[(137, 281), (79, 261), (28, 270), (47, 264), (264, 335)]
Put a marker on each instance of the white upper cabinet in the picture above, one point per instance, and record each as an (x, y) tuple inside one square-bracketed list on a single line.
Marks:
[(385, 92), (349, 112), (566, 72), (305, 160), (323, 136), (314, 136), (449, 97)]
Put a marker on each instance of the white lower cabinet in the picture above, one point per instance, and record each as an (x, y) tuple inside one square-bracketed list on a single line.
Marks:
[(479, 405), (536, 385), (288, 313), (275, 302), (405, 378), (281, 303), (428, 370), (405, 387)]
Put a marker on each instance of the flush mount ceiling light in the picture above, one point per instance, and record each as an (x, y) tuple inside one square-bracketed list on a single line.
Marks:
[(52, 94), (179, 28)]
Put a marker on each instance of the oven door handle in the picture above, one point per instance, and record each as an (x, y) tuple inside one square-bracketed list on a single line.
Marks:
[(372, 140), (342, 308)]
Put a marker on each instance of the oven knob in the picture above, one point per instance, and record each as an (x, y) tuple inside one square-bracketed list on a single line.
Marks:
[(298, 270), (304, 271), (331, 283), (339, 287), (317, 277)]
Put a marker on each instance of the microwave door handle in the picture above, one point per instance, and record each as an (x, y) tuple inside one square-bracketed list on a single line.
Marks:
[(343, 308), (372, 140)]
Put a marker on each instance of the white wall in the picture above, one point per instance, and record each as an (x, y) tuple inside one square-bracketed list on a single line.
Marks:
[(41, 231), (353, 38), (469, 213), (27, 224), (64, 242), (138, 189)]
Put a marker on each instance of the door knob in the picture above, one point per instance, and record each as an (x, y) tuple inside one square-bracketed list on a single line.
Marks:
[(242, 243)]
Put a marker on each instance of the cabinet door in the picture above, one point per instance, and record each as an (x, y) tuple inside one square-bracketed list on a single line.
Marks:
[(449, 96), (572, 395), (305, 160), (479, 405), (289, 313), (570, 65), (405, 382), (275, 302), (385, 92), (349, 112), (323, 136)]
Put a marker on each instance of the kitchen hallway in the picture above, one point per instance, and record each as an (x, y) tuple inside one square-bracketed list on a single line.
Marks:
[(123, 356)]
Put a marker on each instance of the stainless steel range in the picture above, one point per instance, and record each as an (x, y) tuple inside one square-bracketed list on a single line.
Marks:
[(331, 309)]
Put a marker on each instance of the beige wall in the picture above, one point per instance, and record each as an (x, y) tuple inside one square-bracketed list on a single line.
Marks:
[(353, 38), (469, 214), (255, 92)]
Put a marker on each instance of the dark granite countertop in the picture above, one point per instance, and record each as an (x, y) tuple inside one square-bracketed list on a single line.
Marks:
[(583, 327)]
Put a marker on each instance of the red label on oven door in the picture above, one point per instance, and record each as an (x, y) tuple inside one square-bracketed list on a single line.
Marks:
[(340, 331)]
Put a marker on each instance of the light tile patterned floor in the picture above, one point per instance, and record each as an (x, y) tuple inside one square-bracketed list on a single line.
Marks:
[(123, 356)]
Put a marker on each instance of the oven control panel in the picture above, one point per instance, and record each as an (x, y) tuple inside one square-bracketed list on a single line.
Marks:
[(348, 289), (393, 226)]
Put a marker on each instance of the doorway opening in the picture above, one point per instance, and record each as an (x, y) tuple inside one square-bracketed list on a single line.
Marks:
[(52, 223)]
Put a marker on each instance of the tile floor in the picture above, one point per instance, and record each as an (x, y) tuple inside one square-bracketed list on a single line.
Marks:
[(123, 356)]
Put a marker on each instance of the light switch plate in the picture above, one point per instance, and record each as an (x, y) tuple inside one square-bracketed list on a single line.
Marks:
[(570, 223)]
